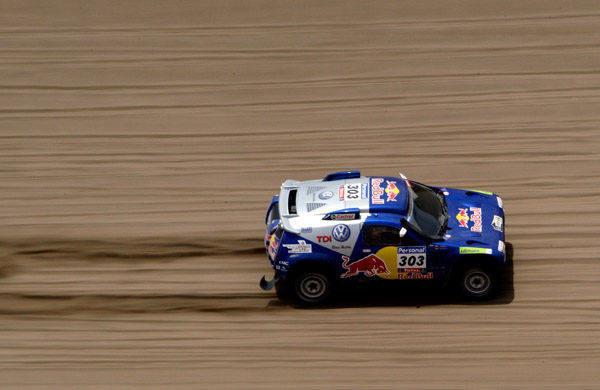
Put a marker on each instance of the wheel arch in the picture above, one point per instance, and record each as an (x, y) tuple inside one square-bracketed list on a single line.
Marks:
[(467, 261), (313, 265)]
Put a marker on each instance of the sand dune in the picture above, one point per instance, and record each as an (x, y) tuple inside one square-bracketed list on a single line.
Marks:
[(141, 141)]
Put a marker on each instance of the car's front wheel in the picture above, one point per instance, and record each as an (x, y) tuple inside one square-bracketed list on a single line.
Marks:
[(477, 282)]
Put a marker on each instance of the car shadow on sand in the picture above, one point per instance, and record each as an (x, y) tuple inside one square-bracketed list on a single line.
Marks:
[(420, 293)]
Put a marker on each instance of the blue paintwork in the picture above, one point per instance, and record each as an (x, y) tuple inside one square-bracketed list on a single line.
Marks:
[(442, 253), (342, 175)]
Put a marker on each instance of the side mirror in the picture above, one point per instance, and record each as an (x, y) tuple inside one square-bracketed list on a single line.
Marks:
[(402, 232)]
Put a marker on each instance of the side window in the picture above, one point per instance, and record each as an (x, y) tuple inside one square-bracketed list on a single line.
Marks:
[(273, 214), (383, 235)]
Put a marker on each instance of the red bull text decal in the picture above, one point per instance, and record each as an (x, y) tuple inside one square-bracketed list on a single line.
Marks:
[(415, 275), (391, 191), (370, 266), (376, 191), (463, 218)]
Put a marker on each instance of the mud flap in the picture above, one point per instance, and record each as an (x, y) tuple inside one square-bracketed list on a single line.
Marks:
[(270, 284)]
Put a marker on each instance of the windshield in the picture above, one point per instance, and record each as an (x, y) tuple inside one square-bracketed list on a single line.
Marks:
[(428, 211)]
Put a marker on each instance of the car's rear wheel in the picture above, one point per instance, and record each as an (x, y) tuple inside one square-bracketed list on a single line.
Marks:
[(311, 287), (477, 282)]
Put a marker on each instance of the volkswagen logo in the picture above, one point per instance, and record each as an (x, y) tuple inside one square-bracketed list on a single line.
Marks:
[(325, 195), (341, 233)]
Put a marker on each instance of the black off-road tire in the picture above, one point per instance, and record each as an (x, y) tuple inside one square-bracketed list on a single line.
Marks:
[(477, 282), (283, 289), (307, 287)]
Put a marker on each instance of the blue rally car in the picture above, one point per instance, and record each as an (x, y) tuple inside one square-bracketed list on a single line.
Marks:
[(351, 227)]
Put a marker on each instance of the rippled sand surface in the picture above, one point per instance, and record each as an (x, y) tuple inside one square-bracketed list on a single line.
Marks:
[(140, 143)]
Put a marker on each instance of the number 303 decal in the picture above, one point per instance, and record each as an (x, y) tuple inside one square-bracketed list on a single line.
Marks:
[(416, 261), (352, 191)]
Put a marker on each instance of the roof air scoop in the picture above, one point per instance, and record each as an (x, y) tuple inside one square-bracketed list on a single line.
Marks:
[(342, 175)]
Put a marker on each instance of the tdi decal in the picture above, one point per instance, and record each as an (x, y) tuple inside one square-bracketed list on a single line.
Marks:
[(324, 238)]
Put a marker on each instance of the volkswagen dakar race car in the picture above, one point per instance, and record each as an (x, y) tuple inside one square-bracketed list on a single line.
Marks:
[(349, 226)]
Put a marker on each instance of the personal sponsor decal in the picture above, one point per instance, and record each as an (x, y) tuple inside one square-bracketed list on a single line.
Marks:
[(306, 230), (340, 233), (470, 250), (370, 265), (300, 247), (323, 238), (391, 190), (497, 223), (364, 191), (501, 246), (463, 218), (411, 257), (376, 191), (325, 195)]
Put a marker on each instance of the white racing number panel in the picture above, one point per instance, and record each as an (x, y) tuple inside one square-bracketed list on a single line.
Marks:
[(412, 257), (354, 191)]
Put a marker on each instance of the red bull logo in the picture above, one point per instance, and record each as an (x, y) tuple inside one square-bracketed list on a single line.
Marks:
[(273, 244), (476, 218), (463, 218), (415, 275), (370, 266), (376, 191), (391, 190)]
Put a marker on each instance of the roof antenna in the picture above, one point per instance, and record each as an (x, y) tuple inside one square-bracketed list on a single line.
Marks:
[(402, 175)]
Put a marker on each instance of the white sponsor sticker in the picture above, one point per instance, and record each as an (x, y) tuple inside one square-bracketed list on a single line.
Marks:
[(497, 223), (412, 257), (499, 199), (300, 247), (501, 246)]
